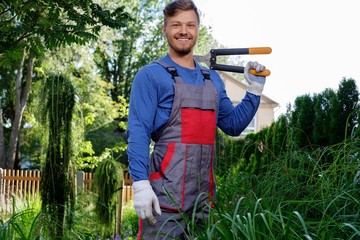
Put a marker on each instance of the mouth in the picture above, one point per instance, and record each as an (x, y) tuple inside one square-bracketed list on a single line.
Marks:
[(183, 39)]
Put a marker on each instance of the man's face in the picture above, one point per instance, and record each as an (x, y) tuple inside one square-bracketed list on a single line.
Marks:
[(182, 32)]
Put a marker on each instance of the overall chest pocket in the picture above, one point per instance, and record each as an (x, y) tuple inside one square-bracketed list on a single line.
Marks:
[(198, 126)]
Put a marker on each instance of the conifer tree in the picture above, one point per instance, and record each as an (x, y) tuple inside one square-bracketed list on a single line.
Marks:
[(302, 120), (343, 116), (323, 109), (55, 184)]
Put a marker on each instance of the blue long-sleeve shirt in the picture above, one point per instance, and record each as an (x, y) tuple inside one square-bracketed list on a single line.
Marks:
[(151, 99)]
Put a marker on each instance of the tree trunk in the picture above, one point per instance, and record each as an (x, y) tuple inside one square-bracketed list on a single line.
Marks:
[(2, 141), (17, 163), (22, 95)]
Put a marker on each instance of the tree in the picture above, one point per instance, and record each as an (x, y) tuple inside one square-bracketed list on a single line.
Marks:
[(98, 118), (343, 116), (29, 29), (280, 135), (357, 127), (59, 102), (2, 143), (120, 56), (323, 108), (302, 120), (21, 97)]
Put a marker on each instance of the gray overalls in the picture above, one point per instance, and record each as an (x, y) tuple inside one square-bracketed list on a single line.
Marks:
[(181, 165)]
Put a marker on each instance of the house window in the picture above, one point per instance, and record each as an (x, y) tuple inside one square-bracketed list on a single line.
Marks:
[(250, 128)]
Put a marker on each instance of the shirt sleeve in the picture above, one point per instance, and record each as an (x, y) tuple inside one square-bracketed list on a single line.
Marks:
[(233, 120), (142, 109)]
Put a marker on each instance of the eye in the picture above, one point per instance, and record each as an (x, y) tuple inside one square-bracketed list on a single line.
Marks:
[(191, 25)]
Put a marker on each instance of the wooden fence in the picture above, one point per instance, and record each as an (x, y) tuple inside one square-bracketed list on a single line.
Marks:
[(23, 183)]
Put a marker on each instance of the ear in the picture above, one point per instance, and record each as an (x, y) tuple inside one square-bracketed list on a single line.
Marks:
[(163, 29)]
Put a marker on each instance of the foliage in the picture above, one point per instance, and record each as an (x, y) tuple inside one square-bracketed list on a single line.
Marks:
[(130, 221), (108, 179), (87, 224), (297, 196), (120, 55), (56, 177), (302, 120), (326, 196), (29, 29), (309, 125), (98, 119), (323, 108), (295, 165), (250, 220), (23, 221), (343, 116), (47, 24), (228, 152)]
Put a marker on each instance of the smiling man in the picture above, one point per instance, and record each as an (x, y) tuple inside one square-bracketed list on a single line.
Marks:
[(181, 32), (179, 105)]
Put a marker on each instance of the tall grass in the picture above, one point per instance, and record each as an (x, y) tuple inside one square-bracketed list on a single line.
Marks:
[(248, 220), (251, 220), (21, 222), (300, 194), (319, 189), (25, 221)]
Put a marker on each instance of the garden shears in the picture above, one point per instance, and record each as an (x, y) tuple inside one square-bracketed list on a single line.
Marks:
[(210, 59)]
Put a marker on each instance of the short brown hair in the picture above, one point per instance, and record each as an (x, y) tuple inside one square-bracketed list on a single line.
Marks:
[(172, 8)]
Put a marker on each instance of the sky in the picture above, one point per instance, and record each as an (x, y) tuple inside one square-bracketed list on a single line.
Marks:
[(315, 43)]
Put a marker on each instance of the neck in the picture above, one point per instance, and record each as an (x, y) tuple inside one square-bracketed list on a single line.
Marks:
[(186, 61)]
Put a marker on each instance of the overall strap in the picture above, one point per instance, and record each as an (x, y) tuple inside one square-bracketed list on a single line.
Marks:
[(171, 70), (205, 73)]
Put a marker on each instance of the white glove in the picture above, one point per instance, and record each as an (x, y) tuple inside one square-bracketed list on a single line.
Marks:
[(144, 200), (256, 83)]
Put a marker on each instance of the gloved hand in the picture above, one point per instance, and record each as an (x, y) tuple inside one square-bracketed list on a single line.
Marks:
[(144, 200), (256, 83)]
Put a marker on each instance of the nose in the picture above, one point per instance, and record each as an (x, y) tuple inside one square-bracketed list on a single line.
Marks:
[(183, 29)]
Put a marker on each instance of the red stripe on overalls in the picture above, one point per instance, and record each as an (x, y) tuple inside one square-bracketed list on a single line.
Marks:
[(183, 182), (165, 163), (138, 237), (212, 183)]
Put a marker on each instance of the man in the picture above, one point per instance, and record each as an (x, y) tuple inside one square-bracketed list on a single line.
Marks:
[(178, 104)]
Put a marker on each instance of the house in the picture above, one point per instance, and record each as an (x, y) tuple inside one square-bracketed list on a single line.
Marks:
[(236, 90)]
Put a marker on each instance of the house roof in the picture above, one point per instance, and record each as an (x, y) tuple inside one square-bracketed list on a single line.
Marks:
[(233, 85)]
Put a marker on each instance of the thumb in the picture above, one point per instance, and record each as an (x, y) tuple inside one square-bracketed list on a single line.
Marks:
[(156, 206), (246, 72)]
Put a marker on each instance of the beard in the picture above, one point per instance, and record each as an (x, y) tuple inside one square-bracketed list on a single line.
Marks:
[(181, 50)]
